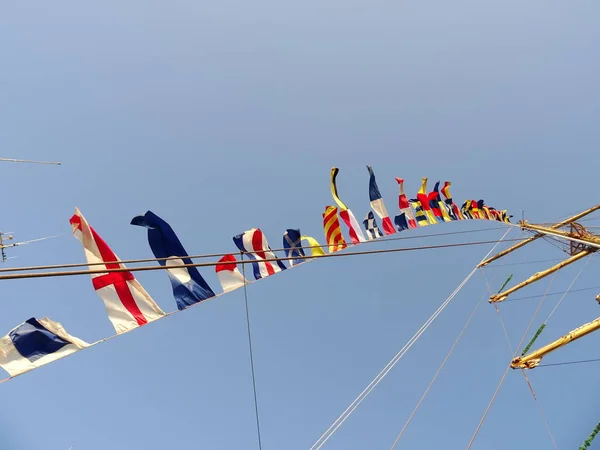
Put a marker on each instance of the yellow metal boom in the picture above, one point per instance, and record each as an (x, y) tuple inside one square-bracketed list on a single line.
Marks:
[(533, 359), (500, 297), (588, 244), (539, 235)]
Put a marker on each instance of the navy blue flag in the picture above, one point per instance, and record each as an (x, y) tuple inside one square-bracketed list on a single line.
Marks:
[(188, 285), (401, 222), (35, 343), (292, 244)]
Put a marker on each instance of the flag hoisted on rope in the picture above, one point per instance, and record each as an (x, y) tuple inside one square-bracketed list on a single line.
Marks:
[(373, 231), (188, 285), (453, 210), (405, 219), (437, 205), (315, 248), (332, 230), (465, 210), (353, 227), (423, 199), (292, 243), (35, 343), (377, 204), (253, 243), (228, 274), (127, 303)]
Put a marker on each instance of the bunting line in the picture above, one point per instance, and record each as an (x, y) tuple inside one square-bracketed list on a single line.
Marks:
[(309, 258), (214, 255), (210, 264)]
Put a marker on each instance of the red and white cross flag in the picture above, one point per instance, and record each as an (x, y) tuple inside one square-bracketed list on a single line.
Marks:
[(127, 303)]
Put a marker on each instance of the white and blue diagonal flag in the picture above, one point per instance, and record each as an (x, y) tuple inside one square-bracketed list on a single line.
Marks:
[(373, 231), (293, 247), (35, 343), (188, 285)]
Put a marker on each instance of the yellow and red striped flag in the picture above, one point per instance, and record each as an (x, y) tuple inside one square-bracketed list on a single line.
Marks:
[(333, 232)]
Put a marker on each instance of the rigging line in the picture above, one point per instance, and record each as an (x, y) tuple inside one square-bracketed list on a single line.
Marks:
[(510, 347), (487, 410), (517, 263), (497, 307), (350, 409), (538, 404), (210, 264), (342, 418), (508, 300), (28, 161), (213, 255), (436, 374), (251, 355), (540, 409), (490, 292), (565, 293), (565, 363), (172, 313), (488, 407)]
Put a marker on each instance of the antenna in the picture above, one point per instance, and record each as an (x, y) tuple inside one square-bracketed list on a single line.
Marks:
[(29, 161), (4, 246)]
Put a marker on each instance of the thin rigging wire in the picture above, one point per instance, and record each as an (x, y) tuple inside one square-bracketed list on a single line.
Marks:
[(213, 255), (28, 161), (508, 300), (309, 259), (445, 360), (565, 363), (356, 403), (538, 404), (567, 291), (540, 409), (414, 411), (487, 410), (341, 253), (517, 263), (251, 356)]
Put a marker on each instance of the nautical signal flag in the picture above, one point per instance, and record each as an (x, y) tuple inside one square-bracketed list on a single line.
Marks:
[(437, 205), (331, 228), (353, 227), (127, 303), (253, 243), (35, 343), (420, 216), (406, 215), (228, 274), (377, 204), (316, 249), (373, 231), (450, 205), (423, 200), (188, 285), (292, 243)]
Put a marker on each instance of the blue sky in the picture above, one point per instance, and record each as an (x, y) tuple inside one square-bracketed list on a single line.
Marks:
[(220, 117)]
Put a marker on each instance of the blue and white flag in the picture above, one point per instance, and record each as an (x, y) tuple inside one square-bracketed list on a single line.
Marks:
[(188, 285), (401, 222), (373, 231), (35, 343), (377, 203), (292, 243), (254, 244)]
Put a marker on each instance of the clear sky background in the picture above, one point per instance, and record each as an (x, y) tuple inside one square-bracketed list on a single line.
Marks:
[(228, 115)]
